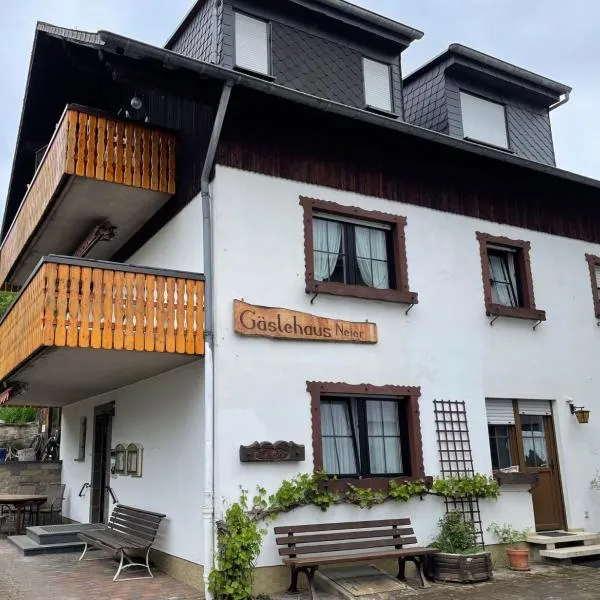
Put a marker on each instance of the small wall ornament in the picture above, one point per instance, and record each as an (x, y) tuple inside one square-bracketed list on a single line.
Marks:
[(272, 452), (133, 462), (120, 459)]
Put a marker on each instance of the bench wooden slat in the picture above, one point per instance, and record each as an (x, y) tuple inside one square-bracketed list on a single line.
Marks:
[(291, 529), (120, 535), (344, 535), (110, 540), (133, 522), (139, 511), (151, 522), (134, 533), (149, 518), (351, 558), (340, 547)]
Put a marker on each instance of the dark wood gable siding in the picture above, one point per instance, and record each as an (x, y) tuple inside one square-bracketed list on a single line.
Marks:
[(65, 73), (291, 141)]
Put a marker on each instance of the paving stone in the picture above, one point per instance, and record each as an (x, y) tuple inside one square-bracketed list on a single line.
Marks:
[(62, 577), (545, 582)]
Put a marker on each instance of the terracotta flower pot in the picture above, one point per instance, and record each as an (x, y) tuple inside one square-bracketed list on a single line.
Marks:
[(518, 559)]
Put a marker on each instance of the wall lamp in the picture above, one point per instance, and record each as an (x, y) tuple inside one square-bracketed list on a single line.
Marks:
[(580, 412)]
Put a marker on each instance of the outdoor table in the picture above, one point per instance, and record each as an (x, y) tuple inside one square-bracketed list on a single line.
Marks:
[(19, 502)]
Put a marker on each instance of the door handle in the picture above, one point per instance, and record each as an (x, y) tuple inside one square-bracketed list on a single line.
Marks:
[(83, 488)]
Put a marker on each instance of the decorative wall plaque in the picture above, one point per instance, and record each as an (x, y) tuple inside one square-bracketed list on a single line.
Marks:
[(265, 321), (119, 459), (272, 452), (133, 459)]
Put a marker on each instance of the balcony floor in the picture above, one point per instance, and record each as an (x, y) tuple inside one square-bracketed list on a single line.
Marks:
[(82, 204), (60, 376)]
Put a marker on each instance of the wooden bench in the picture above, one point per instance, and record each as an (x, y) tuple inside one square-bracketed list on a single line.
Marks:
[(307, 547), (130, 531)]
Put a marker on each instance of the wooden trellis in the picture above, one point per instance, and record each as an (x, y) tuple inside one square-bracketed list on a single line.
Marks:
[(456, 459)]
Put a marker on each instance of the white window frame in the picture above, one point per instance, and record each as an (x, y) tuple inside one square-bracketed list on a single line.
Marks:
[(472, 126), (370, 101), (248, 67)]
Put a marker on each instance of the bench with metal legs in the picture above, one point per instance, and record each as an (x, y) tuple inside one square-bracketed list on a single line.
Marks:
[(129, 532)]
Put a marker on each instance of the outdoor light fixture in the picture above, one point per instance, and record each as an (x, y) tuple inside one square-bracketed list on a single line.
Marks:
[(136, 102), (583, 415)]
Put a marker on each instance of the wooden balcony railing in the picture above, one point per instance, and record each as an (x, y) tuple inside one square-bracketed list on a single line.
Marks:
[(91, 144), (82, 303)]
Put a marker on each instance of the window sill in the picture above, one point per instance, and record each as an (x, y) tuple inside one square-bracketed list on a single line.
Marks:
[(531, 479), (516, 312), (259, 74), (359, 291), (377, 484), (382, 112)]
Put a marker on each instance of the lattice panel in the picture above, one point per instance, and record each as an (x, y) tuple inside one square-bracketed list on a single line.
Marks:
[(456, 459)]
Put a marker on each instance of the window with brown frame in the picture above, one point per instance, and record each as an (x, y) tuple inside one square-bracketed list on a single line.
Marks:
[(354, 252), (507, 279), (594, 264), (365, 434)]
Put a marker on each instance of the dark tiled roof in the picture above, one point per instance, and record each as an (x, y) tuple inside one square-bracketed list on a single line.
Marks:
[(493, 64), (76, 35)]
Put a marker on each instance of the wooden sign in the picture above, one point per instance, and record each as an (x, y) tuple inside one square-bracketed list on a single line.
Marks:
[(268, 452), (264, 321)]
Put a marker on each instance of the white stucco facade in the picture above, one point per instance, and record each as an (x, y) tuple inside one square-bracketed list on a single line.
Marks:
[(445, 344), (163, 413)]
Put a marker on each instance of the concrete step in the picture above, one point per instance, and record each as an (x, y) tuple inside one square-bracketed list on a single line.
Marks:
[(571, 552), (30, 547), (566, 538), (58, 534)]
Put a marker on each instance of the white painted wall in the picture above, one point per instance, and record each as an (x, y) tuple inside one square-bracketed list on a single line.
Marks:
[(445, 345), (165, 414), (178, 245)]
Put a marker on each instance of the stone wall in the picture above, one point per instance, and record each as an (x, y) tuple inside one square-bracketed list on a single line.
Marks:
[(9, 433), (14, 473)]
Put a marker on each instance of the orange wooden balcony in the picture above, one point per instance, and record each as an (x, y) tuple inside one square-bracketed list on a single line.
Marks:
[(82, 327), (95, 169)]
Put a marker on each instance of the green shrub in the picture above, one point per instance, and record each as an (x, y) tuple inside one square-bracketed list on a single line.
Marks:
[(17, 414), (239, 539), (6, 299), (507, 534), (455, 535)]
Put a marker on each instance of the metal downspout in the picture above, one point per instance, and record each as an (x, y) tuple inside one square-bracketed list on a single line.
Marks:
[(208, 510)]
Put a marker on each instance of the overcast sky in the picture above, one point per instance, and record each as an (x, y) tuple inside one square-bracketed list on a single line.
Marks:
[(556, 38)]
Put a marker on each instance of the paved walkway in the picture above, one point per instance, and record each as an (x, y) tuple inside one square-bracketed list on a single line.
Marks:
[(62, 577), (542, 583)]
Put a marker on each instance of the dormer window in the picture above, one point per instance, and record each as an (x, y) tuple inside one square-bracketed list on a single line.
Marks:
[(378, 85), (483, 120), (252, 44)]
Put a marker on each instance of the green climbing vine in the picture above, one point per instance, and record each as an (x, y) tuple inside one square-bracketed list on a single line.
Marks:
[(239, 538), (477, 486), (239, 533)]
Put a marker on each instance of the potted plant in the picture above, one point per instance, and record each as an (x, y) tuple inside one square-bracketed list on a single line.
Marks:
[(459, 559), (517, 552)]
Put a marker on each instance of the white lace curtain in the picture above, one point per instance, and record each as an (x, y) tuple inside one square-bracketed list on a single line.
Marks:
[(504, 286), (371, 254), (327, 239), (383, 429), (339, 456), (340, 437)]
